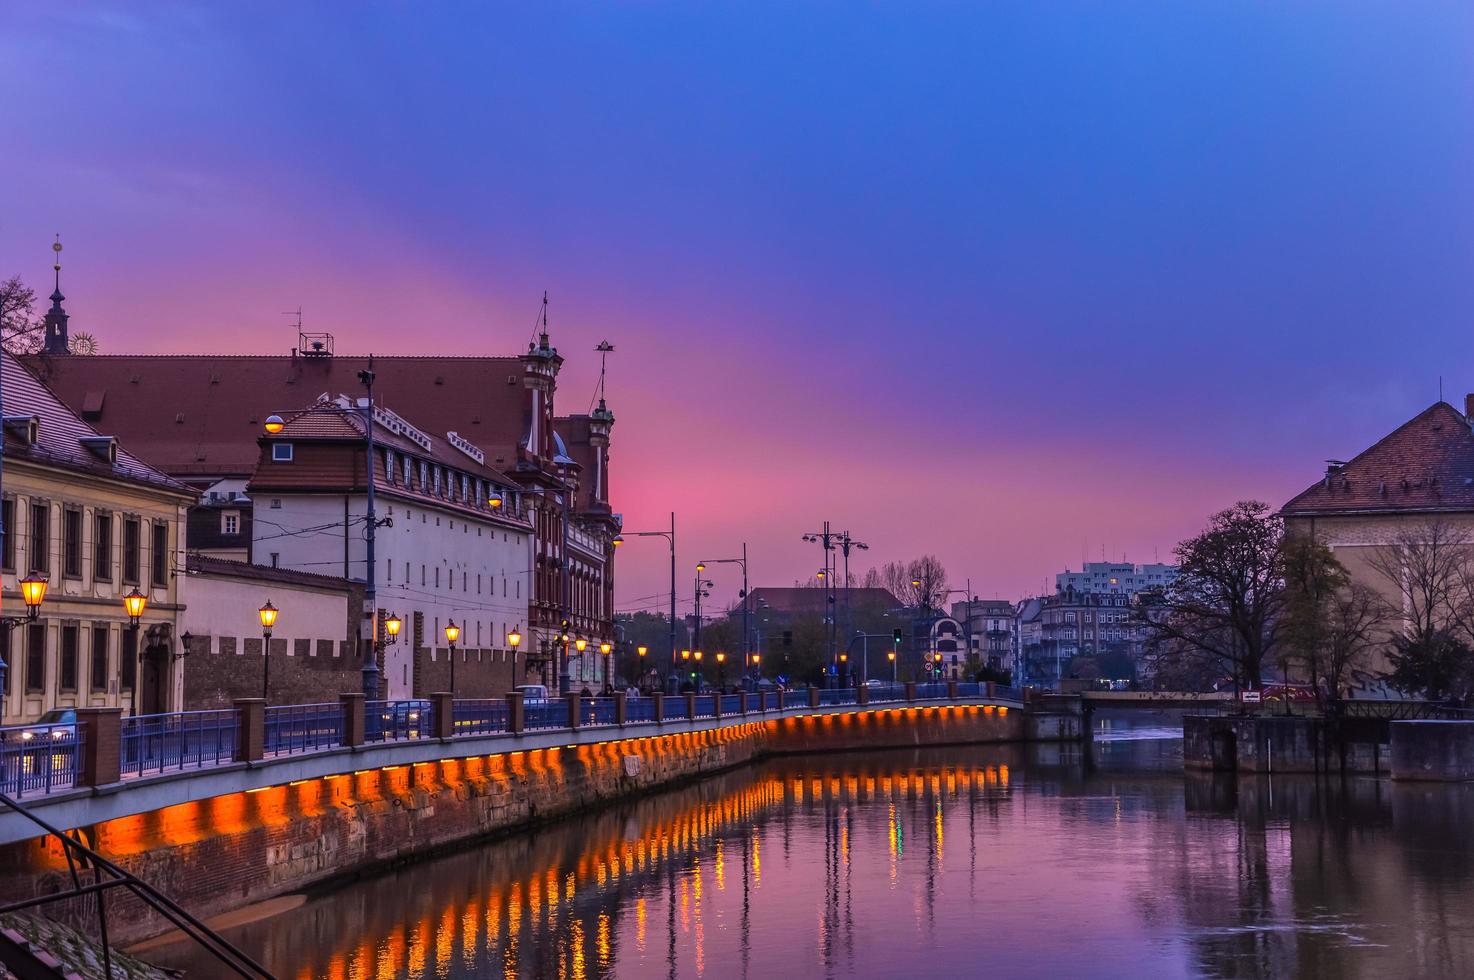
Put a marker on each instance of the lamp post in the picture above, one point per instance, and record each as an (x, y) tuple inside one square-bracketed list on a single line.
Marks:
[(268, 614), (832, 541), (32, 593), (606, 648), (700, 593), (452, 633), (721, 670), (670, 536), (891, 656), (757, 670), (735, 561), (134, 603), (514, 640)]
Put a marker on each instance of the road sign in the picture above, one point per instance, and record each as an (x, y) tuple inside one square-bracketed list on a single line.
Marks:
[(1249, 697)]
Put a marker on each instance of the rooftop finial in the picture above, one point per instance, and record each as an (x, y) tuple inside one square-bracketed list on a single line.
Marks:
[(56, 247), (544, 335), (605, 348), (55, 339)]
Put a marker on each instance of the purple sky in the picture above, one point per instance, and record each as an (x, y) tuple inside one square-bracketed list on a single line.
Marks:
[(1005, 282)]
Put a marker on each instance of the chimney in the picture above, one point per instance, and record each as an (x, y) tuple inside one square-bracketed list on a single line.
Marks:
[(1469, 407)]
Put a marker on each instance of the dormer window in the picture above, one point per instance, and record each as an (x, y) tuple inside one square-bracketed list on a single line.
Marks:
[(281, 452), (23, 427), (104, 448)]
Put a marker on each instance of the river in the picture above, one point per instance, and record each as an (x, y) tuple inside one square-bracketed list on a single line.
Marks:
[(1027, 861)]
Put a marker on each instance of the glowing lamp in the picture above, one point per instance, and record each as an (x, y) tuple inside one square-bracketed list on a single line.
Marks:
[(721, 657), (685, 654), (514, 638), (452, 632), (274, 424), (618, 540), (642, 650), (33, 590), (134, 603), (580, 644), (605, 647), (495, 500), (268, 614), (393, 625), (698, 656)]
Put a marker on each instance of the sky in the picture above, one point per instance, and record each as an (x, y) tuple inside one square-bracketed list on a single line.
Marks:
[(1011, 283)]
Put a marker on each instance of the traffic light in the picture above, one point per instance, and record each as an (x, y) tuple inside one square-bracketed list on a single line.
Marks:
[(896, 637)]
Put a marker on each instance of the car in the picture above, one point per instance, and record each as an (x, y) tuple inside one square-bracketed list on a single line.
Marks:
[(405, 715), (533, 693), (58, 725)]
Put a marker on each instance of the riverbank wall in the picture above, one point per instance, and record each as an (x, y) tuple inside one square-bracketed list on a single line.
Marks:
[(1285, 744), (224, 852)]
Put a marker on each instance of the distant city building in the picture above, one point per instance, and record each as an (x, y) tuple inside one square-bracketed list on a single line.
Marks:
[(990, 626), (1106, 577)]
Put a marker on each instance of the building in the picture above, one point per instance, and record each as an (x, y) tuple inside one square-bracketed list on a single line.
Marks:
[(454, 546), (1087, 635), (97, 523), (1107, 578), (314, 645), (1420, 473), (990, 628), (199, 418)]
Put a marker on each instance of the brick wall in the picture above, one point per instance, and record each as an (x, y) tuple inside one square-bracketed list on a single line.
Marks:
[(479, 673), (220, 669)]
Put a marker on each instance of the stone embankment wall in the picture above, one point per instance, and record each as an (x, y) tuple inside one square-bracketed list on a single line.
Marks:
[(1283, 744), (221, 853)]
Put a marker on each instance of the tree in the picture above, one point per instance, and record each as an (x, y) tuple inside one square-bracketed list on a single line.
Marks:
[(1330, 624), (20, 327), (1429, 569), (1226, 601)]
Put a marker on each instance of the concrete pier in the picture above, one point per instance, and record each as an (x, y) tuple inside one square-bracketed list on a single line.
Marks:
[(1437, 751)]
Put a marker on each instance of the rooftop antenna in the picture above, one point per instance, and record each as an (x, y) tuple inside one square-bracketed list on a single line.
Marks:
[(310, 344)]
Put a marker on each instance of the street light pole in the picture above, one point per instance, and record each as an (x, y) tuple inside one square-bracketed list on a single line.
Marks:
[(268, 614), (370, 589), (670, 536)]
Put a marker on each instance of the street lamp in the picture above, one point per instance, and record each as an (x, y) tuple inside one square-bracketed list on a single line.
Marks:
[(721, 669), (670, 536), (134, 603), (32, 591), (268, 615), (701, 566), (274, 424), (392, 626), (891, 656), (452, 633)]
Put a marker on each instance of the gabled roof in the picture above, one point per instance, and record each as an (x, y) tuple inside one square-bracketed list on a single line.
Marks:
[(812, 601), (202, 413), (60, 434), (1426, 464)]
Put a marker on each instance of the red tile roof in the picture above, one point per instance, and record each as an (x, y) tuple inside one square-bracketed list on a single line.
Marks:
[(806, 601), (202, 413), (1426, 464), (59, 434)]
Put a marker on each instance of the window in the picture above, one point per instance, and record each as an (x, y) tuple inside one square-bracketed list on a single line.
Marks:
[(131, 557), (276, 559), (128, 658), (160, 554), (230, 522), (68, 669), (99, 658), (276, 503), (35, 658), (102, 547), (281, 452), (5, 655), (71, 551), (40, 556), (7, 517)]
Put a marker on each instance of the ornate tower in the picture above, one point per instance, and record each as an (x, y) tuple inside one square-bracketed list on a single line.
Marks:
[(55, 322), (540, 380)]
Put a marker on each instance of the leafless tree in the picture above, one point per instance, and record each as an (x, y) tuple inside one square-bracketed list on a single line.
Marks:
[(1225, 604), (20, 327), (1428, 565)]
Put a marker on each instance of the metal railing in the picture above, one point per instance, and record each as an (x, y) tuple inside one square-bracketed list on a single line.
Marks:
[(50, 760), (178, 740), (1008, 693), (397, 721), (39, 758), (294, 728), (481, 716)]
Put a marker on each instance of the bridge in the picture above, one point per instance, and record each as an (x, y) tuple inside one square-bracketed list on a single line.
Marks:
[(1154, 700), (108, 767)]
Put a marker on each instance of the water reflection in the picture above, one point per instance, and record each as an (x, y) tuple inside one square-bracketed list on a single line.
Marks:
[(1000, 860)]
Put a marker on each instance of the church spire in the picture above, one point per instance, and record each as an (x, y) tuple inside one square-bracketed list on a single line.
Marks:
[(55, 322)]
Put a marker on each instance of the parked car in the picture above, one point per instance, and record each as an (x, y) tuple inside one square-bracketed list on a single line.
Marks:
[(405, 715), (533, 693)]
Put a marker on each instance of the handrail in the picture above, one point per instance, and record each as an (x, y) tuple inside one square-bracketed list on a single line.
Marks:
[(213, 942)]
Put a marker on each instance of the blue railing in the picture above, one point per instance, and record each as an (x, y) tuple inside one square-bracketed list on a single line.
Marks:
[(970, 689), (488, 716), (39, 758), (178, 740), (545, 714), (50, 758), (294, 728), (397, 721), (640, 709)]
